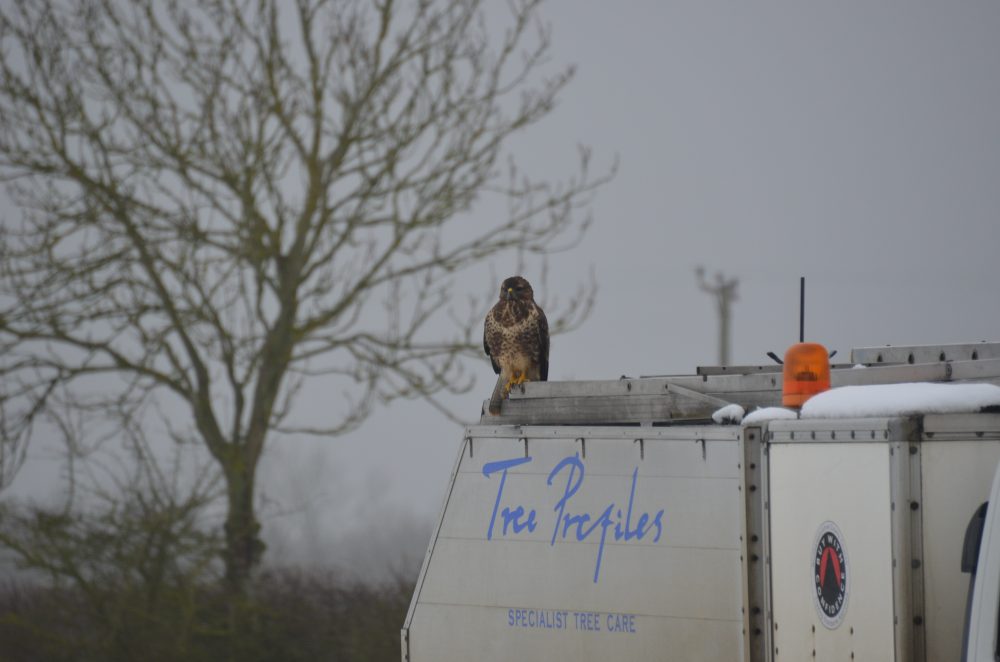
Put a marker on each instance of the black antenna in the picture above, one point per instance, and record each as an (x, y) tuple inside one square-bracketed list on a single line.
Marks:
[(802, 308)]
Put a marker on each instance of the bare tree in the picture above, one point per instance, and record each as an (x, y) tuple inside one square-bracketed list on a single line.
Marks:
[(226, 199)]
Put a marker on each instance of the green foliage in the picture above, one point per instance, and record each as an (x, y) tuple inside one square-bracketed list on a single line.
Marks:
[(139, 578), (287, 616), (106, 579)]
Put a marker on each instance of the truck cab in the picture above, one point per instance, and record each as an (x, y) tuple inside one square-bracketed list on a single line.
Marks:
[(981, 559)]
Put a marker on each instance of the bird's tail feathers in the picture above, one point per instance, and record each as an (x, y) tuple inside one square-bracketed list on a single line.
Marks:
[(497, 395)]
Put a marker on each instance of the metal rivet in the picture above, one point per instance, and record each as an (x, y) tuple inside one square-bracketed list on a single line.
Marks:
[(914, 505)]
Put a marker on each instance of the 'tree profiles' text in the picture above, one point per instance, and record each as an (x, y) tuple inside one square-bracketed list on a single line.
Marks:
[(515, 518)]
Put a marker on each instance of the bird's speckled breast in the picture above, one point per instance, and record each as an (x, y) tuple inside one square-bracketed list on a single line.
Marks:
[(513, 335)]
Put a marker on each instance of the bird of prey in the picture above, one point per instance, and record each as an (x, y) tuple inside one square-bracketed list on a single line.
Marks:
[(516, 338)]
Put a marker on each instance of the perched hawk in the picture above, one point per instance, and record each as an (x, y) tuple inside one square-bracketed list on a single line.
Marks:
[(516, 339)]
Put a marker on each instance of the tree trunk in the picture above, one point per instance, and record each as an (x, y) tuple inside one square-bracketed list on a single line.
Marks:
[(244, 547)]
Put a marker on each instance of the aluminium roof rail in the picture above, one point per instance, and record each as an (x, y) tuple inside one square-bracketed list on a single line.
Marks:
[(679, 399)]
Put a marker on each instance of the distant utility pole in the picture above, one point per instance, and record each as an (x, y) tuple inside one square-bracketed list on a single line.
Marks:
[(724, 291)]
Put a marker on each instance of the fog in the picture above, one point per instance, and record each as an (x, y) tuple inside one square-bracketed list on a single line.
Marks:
[(856, 144)]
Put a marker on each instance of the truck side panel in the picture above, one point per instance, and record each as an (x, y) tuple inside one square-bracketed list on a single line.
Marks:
[(565, 543), (847, 485)]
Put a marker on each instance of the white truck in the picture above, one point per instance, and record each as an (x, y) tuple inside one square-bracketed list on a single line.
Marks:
[(616, 520)]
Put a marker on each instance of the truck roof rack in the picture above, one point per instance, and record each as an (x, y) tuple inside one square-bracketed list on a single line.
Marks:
[(685, 399)]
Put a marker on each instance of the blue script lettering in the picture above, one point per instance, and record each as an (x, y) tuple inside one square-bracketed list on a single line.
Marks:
[(581, 525), (574, 480), (510, 518)]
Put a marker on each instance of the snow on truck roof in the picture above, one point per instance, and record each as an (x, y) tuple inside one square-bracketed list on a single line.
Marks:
[(879, 400)]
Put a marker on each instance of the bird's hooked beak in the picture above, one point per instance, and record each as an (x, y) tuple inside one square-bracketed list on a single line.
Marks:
[(510, 294)]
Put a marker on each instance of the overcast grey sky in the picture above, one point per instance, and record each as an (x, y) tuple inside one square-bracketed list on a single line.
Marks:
[(854, 143)]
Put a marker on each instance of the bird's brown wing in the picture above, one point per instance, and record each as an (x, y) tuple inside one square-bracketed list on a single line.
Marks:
[(486, 342), (543, 345)]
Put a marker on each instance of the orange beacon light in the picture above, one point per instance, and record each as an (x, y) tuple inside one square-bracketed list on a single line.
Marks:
[(806, 373)]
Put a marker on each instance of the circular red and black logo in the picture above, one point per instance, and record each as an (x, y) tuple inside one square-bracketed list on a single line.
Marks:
[(830, 575)]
